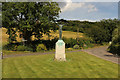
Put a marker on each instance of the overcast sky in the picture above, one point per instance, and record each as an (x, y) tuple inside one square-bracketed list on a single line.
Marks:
[(92, 11)]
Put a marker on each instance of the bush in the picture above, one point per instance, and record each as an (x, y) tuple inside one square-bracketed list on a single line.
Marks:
[(11, 46), (114, 49), (41, 47), (82, 42), (24, 48), (76, 47), (69, 42), (69, 49)]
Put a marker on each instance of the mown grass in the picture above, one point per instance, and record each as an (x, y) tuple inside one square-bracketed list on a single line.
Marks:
[(0, 68), (78, 65)]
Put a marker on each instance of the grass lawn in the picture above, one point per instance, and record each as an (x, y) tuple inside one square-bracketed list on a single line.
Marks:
[(78, 65), (0, 69)]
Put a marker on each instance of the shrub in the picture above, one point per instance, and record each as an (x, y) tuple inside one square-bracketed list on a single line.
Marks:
[(24, 48), (80, 42), (76, 47), (114, 49), (41, 47), (69, 42), (69, 49), (85, 41), (11, 46)]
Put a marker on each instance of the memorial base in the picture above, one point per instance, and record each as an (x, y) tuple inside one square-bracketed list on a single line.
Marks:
[(60, 51)]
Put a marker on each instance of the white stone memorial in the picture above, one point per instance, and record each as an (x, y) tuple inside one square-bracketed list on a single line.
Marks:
[(60, 47)]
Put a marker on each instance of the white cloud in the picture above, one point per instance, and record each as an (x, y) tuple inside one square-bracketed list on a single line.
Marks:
[(91, 8), (89, 20), (70, 6)]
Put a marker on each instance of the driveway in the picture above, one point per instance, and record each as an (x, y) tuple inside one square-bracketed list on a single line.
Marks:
[(101, 52)]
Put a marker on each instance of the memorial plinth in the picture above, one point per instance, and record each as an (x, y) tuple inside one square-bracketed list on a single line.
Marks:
[(60, 51)]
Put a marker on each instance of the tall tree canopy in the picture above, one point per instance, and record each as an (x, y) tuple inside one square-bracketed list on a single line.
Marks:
[(29, 18), (0, 15)]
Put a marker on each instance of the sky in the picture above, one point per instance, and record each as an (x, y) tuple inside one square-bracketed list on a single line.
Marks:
[(89, 11)]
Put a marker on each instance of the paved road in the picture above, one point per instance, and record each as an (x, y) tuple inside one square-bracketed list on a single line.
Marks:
[(100, 52)]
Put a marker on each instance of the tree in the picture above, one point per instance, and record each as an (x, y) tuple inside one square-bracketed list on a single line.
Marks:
[(0, 15), (29, 18), (108, 26), (97, 34), (115, 46), (102, 31)]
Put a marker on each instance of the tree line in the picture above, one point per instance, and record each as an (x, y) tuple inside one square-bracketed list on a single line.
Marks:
[(38, 18), (100, 31)]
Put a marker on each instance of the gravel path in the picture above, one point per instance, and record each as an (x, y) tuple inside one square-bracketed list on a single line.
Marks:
[(35, 53), (100, 52)]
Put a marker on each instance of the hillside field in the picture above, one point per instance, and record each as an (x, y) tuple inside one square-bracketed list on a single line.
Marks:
[(67, 34)]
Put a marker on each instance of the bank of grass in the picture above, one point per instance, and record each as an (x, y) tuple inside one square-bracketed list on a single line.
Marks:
[(67, 34), (78, 65)]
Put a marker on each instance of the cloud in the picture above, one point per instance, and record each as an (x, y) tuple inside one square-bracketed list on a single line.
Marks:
[(91, 8), (89, 20), (70, 6), (67, 5)]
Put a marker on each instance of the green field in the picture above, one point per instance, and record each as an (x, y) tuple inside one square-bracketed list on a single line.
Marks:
[(0, 68), (78, 65)]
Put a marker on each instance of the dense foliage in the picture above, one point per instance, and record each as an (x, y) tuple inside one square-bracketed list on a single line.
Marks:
[(40, 45), (0, 15), (29, 18), (100, 31), (115, 46)]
